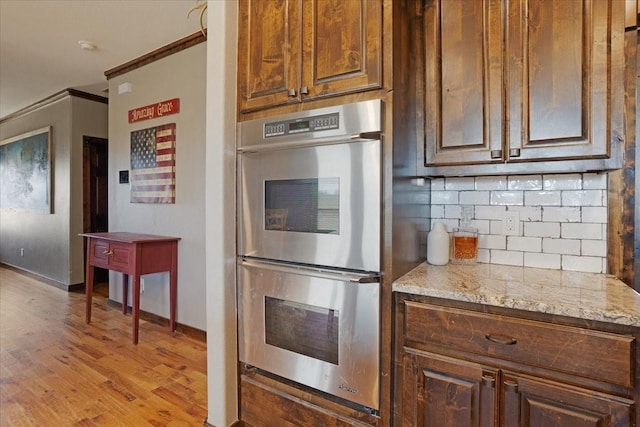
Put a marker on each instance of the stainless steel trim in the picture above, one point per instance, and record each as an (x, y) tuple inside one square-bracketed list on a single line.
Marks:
[(341, 276)]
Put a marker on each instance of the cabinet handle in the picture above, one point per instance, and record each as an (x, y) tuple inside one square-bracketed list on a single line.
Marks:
[(488, 381), (501, 339), (511, 386), (514, 152), (108, 253), (291, 92), (496, 154), (304, 90)]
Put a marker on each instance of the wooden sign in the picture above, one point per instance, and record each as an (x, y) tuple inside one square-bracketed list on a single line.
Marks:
[(152, 111)]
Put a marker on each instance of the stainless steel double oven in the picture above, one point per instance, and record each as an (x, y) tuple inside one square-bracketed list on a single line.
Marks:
[(309, 206)]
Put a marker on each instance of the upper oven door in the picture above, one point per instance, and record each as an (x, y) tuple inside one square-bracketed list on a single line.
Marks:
[(315, 205)]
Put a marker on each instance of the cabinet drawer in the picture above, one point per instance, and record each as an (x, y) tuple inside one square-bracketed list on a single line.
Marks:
[(121, 257), (99, 253), (588, 353)]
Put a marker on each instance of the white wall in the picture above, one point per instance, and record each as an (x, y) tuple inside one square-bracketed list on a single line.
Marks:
[(182, 76), (220, 231), (52, 247)]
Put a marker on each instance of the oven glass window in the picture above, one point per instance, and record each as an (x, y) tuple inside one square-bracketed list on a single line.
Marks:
[(303, 329), (303, 205)]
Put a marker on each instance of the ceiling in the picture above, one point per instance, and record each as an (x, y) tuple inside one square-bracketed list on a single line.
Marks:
[(40, 54)]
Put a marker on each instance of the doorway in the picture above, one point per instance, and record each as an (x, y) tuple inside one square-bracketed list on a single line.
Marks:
[(95, 193)]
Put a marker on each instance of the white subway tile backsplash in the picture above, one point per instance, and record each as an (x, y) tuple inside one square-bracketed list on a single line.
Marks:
[(563, 217), (437, 184), (437, 211), (490, 241), (524, 182), (561, 214), (541, 260), (444, 197), (466, 183), (542, 229), (594, 214), (581, 231), (490, 212), (562, 182), (582, 263), (526, 244), (582, 198), (527, 213), (491, 183), (594, 248), (474, 197), (543, 198), (507, 197), (561, 246), (507, 257), (594, 181), (484, 256), (452, 211)]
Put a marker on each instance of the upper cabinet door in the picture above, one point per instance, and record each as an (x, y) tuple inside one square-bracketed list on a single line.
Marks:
[(268, 53), (565, 78), (341, 47), (463, 81)]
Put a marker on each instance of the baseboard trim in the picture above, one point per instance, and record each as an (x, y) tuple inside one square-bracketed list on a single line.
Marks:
[(43, 279), (189, 331)]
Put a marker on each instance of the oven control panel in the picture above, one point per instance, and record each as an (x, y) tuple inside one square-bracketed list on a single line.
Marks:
[(302, 125)]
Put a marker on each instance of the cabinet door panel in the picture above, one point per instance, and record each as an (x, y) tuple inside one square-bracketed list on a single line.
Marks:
[(463, 78), (342, 46), (442, 392), (532, 403), (563, 74), (268, 53)]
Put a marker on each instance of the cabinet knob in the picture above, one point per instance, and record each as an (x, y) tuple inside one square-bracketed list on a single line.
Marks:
[(488, 381), (107, 253), (511, 386), (496, 154), (304, 90), (514, 152), (291, 92)]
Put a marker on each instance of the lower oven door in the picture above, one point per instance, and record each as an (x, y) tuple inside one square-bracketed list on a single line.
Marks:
[(313, 327)]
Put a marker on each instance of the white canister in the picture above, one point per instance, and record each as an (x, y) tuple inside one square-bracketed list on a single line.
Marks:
[(438, 245)]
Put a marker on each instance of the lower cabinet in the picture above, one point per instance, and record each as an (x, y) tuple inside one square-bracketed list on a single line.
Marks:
[(457, 367), (442, 391)]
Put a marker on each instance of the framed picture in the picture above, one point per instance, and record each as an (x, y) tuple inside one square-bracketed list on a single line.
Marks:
[(25, 172)]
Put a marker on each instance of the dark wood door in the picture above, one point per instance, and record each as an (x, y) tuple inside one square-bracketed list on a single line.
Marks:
[(565, 78), (268, 53), (439, 391), (95, 200), (341, 47), (528, 402), (463, 81)]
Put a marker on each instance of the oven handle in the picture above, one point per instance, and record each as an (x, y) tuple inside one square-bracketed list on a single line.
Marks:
[(357, 137), (350, 277)]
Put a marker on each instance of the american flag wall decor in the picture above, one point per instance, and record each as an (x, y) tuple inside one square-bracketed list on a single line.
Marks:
[(153, 165)]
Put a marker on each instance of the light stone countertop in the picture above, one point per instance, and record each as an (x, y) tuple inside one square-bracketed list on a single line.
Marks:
[(581, 295)]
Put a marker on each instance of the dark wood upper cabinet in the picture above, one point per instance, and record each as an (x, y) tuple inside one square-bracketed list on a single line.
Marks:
[(295, 50), (522, 82)]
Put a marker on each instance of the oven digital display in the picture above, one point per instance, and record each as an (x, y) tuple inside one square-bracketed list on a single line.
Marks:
[(312, 124), (302, 126)]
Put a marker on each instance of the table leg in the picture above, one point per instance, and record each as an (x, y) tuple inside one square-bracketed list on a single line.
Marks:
[(88, 286), (125, 292), (135, 306), (173, 287)]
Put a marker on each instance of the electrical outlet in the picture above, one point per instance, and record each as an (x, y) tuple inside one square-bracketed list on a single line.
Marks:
[(511, 224), (21, 251), (141, 286)]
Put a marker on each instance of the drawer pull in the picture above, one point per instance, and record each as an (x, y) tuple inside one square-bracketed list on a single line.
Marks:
[(501, 339), (108, 253)]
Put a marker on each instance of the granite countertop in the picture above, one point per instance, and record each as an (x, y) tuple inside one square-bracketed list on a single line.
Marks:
[(581, 295)]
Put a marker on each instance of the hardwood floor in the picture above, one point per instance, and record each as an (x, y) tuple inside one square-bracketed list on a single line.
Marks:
[(56, 370)]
